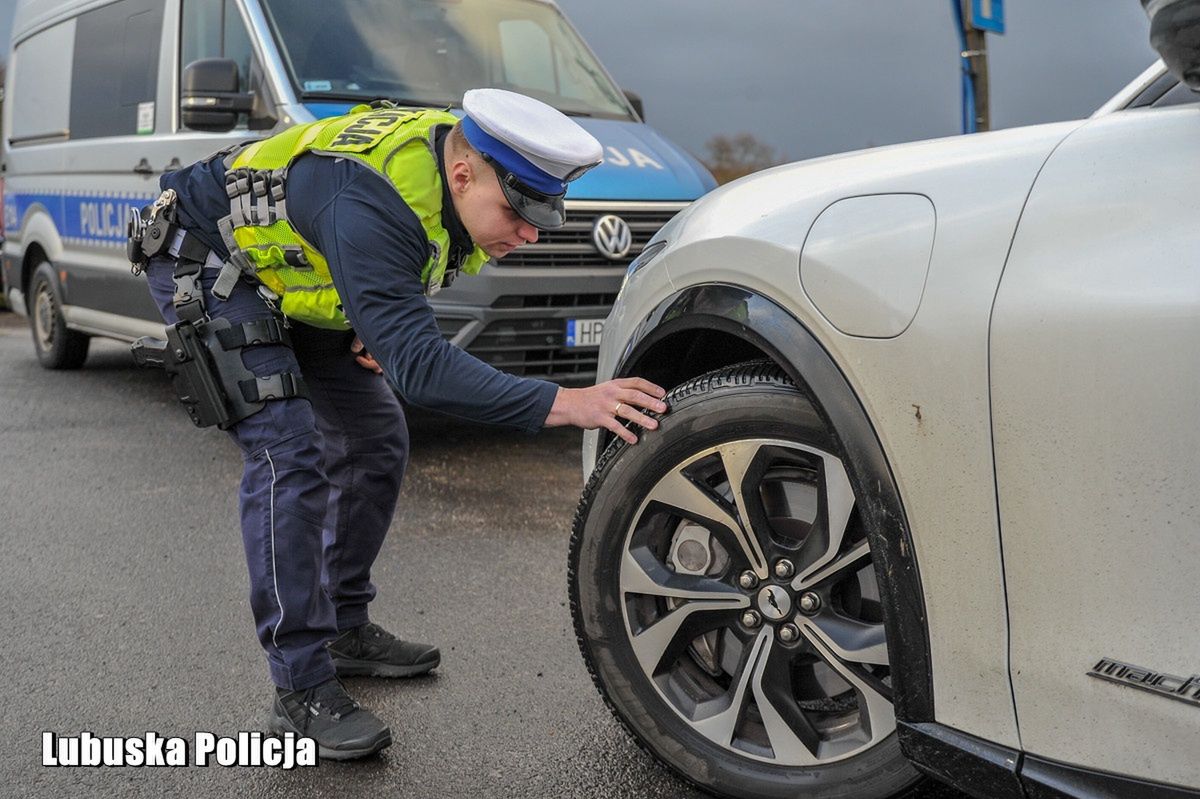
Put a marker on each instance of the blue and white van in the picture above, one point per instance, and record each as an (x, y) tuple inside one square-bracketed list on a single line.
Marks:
[(95, 113)]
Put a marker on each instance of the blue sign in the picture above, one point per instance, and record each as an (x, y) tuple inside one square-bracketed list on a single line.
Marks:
[(988, 15)]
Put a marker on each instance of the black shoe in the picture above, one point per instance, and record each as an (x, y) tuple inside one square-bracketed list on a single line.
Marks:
[(371, 651), (327, 714)]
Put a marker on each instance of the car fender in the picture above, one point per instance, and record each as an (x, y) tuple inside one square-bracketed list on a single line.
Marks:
[(924, 390)]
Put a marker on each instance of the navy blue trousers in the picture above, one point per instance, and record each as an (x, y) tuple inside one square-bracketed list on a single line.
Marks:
[(319, 486)]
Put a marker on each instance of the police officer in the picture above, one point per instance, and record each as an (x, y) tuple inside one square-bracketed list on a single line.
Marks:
[(341, 228)]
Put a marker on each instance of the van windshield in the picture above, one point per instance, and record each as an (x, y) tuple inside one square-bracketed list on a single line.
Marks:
[(429, 52)]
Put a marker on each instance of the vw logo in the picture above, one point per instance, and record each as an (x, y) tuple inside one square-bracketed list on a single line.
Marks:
[(774, 602), (612, 237)]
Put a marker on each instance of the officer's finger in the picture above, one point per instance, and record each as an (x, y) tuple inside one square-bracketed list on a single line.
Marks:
[(614, 424), (645, 386), (627, 411), (642, 400), (367, 362)]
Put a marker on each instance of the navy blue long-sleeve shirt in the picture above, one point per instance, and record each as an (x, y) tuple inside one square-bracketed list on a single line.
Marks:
[(376, 250)]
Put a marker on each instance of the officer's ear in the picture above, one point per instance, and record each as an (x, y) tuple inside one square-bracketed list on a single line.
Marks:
[(461, 175)]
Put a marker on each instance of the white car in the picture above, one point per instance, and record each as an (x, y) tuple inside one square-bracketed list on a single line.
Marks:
[(928, 495)]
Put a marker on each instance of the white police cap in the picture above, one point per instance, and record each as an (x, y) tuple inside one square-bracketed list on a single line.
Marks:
[(536, 150)]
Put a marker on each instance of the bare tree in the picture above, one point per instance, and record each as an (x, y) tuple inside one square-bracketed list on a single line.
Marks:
[(731, 157)]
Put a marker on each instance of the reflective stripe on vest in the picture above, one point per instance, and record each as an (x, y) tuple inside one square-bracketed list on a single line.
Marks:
[(396, 144)]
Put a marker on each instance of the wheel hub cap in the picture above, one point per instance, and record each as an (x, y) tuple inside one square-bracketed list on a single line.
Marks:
[(774, 603)]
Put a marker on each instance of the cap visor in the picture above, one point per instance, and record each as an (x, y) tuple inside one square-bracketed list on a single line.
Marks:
[(544, 214)]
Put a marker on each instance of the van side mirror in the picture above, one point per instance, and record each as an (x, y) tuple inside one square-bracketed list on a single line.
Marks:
[(209, 96), (635, 100)]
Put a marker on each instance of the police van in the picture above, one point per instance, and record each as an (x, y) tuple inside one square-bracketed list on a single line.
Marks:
[(103, 96)]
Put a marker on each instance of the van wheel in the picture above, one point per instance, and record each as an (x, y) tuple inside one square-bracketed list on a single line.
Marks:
[(725, 600), (56, 346)]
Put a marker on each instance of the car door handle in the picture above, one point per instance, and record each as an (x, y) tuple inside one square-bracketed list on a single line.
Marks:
[(143, 168)]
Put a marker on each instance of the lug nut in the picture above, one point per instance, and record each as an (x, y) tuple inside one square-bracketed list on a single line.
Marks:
[(784, 569), (810, 603), (748, 580), (788, 633), (751, 618)]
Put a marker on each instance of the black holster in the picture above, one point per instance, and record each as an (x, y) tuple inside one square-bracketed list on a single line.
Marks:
[(204, 360)]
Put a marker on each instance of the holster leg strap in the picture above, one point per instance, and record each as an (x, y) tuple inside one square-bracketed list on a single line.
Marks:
[(249, 334), (278, 386)]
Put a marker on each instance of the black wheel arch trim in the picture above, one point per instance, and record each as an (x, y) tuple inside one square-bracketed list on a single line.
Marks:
[(980, 768), (762, 322)]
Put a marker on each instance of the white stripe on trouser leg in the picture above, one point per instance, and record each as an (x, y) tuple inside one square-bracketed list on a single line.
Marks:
[(274, 574)]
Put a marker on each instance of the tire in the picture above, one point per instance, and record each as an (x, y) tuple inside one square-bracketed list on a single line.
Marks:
[(717, 696), (57, 346)]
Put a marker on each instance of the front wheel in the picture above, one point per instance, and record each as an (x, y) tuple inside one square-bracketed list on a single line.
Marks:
[(725, 599), (56, 345)]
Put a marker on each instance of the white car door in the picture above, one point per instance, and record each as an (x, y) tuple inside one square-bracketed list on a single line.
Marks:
[(1095, 380)]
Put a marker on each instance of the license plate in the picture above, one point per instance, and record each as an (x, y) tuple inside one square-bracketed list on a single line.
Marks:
[(584, 332)]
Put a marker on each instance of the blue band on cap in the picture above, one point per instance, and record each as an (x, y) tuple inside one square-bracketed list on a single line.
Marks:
[(510, 159)]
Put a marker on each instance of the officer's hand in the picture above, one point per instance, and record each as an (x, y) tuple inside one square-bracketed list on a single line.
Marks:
[(607, 405), (364, 358)]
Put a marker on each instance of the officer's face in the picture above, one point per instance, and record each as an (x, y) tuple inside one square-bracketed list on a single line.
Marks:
[(485, 213)]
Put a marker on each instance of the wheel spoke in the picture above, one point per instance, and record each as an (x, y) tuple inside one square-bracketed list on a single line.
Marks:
[(852, 560), (664, 640), (721, 725), (876, 713), (641, 573), (679, 492), (818, 550), (737, 457), (793, 739), (851, 640)]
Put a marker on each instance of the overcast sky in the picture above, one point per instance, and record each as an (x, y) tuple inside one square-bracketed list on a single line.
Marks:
[(812, 77)]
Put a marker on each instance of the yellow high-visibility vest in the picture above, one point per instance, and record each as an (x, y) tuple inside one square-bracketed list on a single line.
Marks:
[(395, 143)]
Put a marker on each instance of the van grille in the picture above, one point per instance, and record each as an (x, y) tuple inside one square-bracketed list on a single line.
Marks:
[(450, 327), (605, 299), (571, 245), (534, 348)]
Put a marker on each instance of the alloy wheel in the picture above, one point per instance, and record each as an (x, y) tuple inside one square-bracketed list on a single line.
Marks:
[(750, 602)]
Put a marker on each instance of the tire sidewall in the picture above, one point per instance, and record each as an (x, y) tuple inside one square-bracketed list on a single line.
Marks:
[(64, 351), (699, 420)]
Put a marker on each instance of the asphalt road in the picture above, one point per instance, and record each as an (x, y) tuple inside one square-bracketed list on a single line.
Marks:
[(124, 590)]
